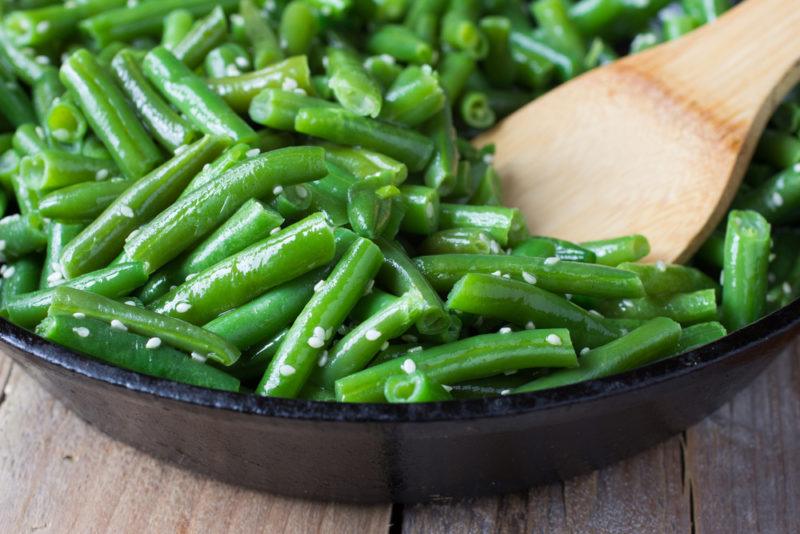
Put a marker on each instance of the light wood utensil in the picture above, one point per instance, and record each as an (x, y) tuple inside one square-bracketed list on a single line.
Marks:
[(656, 143)]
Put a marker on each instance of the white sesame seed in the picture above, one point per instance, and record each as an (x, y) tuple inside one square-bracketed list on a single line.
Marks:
[(553, 339), (584, 350), (507, 276), (101, 174), (289, 84), (772, 257), (415, 349), (2, 244), (430, 211), (277, 190), (505, 392), (55, 276), (323, 359), (61, 134), (409, 366), (319, 332), (39, 131), (661, 266), (42, 60), (42, 26), (206, 167), (242, 62), (777, 199), (447, 388), (505, 330), (497, 273), (237, 19), (318, 286), (232, 70), (183, 307), (427, 69), (275, 230), (372, 334), (301, 191), (786, 288), (190, 276), (130, 302), (494, 247), (153, 343), (286, 370), (796, 167), (82, 331), (530, 326), (116, 324), (316, 342), (196, 356), (568, 296), (126, 211), (528, 277), (253, 152), (626, 303), (551, 260), (385, 345), (79, 315), (9, 272)]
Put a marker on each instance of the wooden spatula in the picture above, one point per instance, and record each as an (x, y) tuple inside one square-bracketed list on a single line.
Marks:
[(656, 143)]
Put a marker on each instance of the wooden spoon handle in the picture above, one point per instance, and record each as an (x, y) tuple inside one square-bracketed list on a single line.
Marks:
[(756, 61)]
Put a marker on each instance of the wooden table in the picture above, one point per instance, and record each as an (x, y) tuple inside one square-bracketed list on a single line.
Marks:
[(736, 472)]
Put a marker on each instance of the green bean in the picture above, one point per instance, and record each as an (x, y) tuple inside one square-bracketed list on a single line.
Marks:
[(785, 119), (64, 121), (550, 274), (104, 238), (91, 146), (237, 279), (402, 44), (460, 31), (19, 277), (454, 71), (131, 351), (400, 275), (21, 60), (359, 346), (747, 248), (36, 27), (250, 224), (365, 164), (58, 235), (661, 279), (351, 84), (29, 140), (423, 17), (207, 111), (277, 108), (440, 174), (698, 335), (384, 69), (618, 250), (28, 309), (416, 387), (20, 235), (193, 216), (463, 360), (83, 201), (476, 110), (460, 241), (325, 312), (498, 64), (685, 308), (559, 30), (291, 74), (298, 27), (422, 209), (705, 10), (211, 172), (648, 343), (3, 202), (528, 306), (15, 106), (51, 169), (204, 35), (600, 53), (778, 149), (414, 97), (506, 225), (545, 247), (228, 59), (144, 19), (109, 114), (677, 26), (168, 128), (177, 24), (532, 52), (174, 332), (266, 49), (777, 199), (27, 200), (251, 365), (340, 126)]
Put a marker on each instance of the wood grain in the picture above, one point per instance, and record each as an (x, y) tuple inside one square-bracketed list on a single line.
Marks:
[(58, 474), (657, 142)]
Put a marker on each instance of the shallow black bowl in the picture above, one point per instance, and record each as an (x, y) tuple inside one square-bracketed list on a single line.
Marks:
[(376, 452)]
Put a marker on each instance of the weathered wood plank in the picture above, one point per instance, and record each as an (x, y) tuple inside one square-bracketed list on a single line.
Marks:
[(640, 495), (743, 462), (58, 474)]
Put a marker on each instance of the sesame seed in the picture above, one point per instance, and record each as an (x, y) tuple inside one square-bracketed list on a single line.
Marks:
[(323, 359), (242, 62), (596, 313), (232, 70), (55, 277), (584, 350), (153, 343), (772, 257), (42, 26), (286, 370), (130, 302), (777, 199), (427, 69), (206, 167), (626, 303), (385, 345), (82, 331), (196, 356), (505, 330), (79, 315), (126, 211), (507, 276), (42, 60), (237, 19), (2, 244), (319, 332), (551, 260), (318, 286), (568, 296), (447, 388), (275, 230), (372, 334), (9, 272), (530, 326), (553, 339), (430, 211), (277, 190), (661, 266), (183, 307), (301, 191), (253, 152), (786, 288), (289, 84), (116, 324), (505, 392), (190, 276), (316, 342), (101, 174), (497, 273), (796, 167), (409, 366), (415, 349)]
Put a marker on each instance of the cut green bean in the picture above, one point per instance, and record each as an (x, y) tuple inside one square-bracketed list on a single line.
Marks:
[(416, 387), (51, 169), (505, 224), (414, 97), (82, 202), (205, 34), (298, 27), (176, 25), (19, 277), (277, 108), (351, 84), (612, 252), (699, 335), (58, 235)]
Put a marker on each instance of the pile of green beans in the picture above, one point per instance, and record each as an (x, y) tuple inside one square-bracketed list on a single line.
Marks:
[(280, 198)]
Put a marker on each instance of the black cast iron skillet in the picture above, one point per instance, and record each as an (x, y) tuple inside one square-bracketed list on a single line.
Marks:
[(406, 453)]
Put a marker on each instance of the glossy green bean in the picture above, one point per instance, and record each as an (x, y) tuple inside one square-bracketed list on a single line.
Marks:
[(177, 24), (52, 169), (779, 149), (460, 29), (19, 277), (65, 121), (777, 199), (460, 241), (41, 26), (414, 97), (298, 27), (648, 343), (564, 250), (661, 279), (422, 209), (15, 105), (105, 237), (193, 216), (402, 44), (699, 335), (20, 235), (685, 308), (506, 225), (58, 235), (82, 202), (467, 359), (440, 173), (416, 387), (365, 164), (266, 49), (352, 85), (618, 250), (204, 35), (277, 108), (498, 63)]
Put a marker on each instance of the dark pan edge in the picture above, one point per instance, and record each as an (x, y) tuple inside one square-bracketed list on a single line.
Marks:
[(774, 326)]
